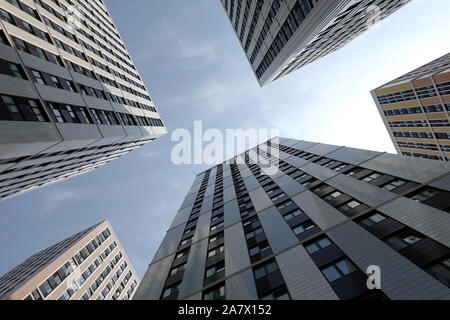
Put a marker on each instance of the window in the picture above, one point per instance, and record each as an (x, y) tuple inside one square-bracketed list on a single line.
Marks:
[(71, 86), (56, 82), (426, 195), (349, 206), (253, 233), (172, 290), (403, 239), (371, 177), (303, 227), (177, 270), (215, 238), (215, 251), (441, 271), (318, 245), (37, 110), (338, 270), (58, 116), (215, 293), (259, 249), (373, 219), (281, 294), (262, 271), (215, 269), (12, 108), (186, 241), (293, 214), (332, 196), (394, 184), (217, 226), (181, 254), (17, 70), (38, 77)]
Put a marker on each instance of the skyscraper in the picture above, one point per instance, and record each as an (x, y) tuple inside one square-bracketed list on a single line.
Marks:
[(90, 265), (281, 36), (311, 231), (416, 110), (71, 98)]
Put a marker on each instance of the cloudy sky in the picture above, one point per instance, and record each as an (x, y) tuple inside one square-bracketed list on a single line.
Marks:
[(195, 69)]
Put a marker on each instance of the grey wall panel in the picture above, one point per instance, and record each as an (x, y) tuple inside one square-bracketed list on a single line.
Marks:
[(203, 226), (296, 162), (181, 217), (229, 194), (414, 169), (303, 145), (195, 297), (194, 189), (189, 200), (210, 189), (274, 225), (241, 287), (362, 191), (236, 253), (285, 141), (195, 269), (323, 215), (227, 181), (289, 185), (322, 149), (154, 279), (303, 279), (442, 183), (170, 242), (400, 278), (260, 199), (432, 222), (319, 172), (207, 204), (353, 156), (251, 183), (231, 213)]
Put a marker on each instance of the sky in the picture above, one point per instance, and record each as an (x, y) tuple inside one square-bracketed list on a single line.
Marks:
[(195, 69)]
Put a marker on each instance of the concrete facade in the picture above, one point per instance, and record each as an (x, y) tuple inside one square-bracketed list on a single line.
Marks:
[(71, 98)]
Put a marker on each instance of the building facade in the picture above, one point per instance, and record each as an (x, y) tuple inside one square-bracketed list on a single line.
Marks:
[(310, 231), (281, 36), (71, 98), (90, 265), (416, 110)]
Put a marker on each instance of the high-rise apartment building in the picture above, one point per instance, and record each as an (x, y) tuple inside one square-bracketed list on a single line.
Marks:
[(281, 36), (310, 231), (90, 265), (416, 110), (71, 98)]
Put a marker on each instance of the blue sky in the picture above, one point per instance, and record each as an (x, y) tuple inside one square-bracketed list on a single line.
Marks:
[(195, 69)]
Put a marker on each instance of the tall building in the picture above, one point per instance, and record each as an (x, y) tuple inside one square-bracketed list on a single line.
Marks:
[(90, 265), (71, 98), (281, 36), (416, 110), (311, 231)]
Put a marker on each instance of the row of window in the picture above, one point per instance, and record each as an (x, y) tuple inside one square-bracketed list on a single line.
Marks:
[(298, 14)]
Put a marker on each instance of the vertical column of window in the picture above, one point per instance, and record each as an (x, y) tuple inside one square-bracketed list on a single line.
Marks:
[(346, 204), (346, 279), (428, 254), (215, 263), (269, 282), (298, 221), (173, 282)]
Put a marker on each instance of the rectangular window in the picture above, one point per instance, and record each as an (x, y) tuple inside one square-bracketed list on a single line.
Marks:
[(38, 77), (12, 107), (318, 245), (338, 270)]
